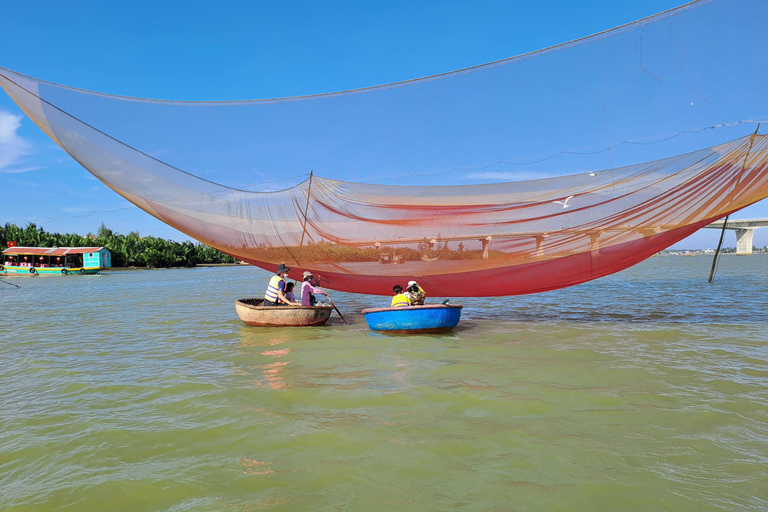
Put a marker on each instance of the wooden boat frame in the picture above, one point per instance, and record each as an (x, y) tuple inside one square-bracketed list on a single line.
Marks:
[(251, 312)]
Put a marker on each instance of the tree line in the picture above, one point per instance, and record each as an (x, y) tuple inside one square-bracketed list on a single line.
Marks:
[(327, 252), (129, 250)]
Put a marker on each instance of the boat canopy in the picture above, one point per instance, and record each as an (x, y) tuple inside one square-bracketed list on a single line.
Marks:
[(51, 251)]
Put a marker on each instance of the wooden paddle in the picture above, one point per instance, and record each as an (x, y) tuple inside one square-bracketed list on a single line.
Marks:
[(337, 309)]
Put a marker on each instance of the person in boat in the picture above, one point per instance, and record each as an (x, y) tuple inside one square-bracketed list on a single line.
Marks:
[(275, 294), (415, 293), (308, 288), (289, 292), (400, 300)]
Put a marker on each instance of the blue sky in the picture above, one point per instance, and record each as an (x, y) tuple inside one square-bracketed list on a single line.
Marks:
[(246, 50)]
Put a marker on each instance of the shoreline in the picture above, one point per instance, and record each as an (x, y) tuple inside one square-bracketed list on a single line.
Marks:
[(128, 269)]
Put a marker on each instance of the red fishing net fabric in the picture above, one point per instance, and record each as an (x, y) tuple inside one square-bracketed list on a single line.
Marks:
[(590, 218)]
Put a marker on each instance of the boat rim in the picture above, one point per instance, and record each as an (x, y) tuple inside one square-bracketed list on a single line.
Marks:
[(411, 308), (239, 302)]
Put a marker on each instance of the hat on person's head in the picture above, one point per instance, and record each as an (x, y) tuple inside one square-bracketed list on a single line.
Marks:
[(307, 274), (411, 283), (282, 268)]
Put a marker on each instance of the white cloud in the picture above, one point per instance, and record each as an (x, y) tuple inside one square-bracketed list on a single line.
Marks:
[(506, 175), (19, 170), (12, 147)]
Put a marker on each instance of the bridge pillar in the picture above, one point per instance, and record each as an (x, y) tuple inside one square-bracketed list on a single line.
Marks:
[(744, 241)]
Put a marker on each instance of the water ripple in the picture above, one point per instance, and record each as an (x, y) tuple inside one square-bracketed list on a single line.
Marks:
[(645, 390)]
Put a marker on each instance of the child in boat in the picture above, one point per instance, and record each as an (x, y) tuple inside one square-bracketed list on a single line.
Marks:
[(289, 292), (400, 300), (416, 294)]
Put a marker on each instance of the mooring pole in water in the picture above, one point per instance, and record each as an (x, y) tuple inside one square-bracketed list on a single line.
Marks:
[(719, 244), (6, 282)]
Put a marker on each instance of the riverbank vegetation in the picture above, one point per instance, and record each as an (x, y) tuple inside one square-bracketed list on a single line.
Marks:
[(129, 250), (326, 252)]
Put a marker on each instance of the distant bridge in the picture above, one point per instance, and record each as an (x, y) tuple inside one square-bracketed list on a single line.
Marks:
[(745, 230)]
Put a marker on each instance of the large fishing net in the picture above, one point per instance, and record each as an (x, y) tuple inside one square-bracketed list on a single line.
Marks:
[(641, 135)]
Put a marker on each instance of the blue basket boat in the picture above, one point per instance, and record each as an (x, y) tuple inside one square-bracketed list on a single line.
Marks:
[(414, 319)]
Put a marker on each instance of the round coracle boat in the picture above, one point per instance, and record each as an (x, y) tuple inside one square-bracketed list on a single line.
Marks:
[(414, 319), (252, 312)]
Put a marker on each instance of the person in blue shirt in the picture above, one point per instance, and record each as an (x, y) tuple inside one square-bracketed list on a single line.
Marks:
[(275, 294)]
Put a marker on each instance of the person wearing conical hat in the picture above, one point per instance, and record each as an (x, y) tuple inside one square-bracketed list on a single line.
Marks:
[(309, 286), (275, 294)]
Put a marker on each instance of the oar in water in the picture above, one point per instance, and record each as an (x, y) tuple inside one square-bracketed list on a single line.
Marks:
[(337, 309), (6, 282)]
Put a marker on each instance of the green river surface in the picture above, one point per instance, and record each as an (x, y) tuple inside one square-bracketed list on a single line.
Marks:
[(141, 391)]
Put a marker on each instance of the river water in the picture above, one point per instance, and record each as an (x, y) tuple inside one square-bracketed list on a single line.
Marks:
[(141, 391)]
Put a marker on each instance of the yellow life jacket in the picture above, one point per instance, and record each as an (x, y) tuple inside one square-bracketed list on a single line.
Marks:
[(400, 300), (272, 288)]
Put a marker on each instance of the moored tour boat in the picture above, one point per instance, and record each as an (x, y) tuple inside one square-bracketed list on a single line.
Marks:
[(253, 313), (35, 261), (414, 319)]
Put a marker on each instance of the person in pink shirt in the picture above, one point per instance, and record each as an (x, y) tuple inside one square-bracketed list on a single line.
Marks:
[(308, 287)]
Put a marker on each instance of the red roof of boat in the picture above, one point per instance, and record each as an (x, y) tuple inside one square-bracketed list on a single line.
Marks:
[(51, 251)]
